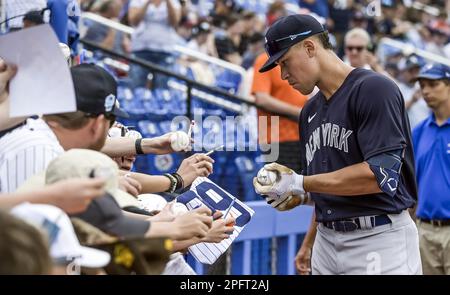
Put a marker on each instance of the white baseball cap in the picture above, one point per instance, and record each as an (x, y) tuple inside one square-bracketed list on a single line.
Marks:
[(80, 163), (64, 245)]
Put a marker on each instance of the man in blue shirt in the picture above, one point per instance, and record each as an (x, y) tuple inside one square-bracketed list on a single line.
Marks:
[(431, 140)]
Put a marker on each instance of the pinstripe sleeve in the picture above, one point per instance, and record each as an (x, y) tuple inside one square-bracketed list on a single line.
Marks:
[(20, 165)]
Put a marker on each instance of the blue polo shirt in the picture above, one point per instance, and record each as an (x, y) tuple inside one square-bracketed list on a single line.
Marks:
[(432, 152)]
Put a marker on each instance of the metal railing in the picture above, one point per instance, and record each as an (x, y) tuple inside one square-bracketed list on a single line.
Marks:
[(408, 49), (203, 92)]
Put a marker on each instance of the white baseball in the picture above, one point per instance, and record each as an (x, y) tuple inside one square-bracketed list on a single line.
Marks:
[(179, 209), (179, 141), (266, 177)]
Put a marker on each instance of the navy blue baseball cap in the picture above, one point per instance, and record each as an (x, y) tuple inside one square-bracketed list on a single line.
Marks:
[(434, 72), (96, 91), (285, 32)]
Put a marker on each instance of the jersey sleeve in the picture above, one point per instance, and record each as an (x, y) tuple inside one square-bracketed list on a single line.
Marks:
[(379, 115)]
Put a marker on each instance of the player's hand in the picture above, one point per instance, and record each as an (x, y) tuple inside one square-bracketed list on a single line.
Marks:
[(198, 165), (303, 260), (287, 192), (74, 195)]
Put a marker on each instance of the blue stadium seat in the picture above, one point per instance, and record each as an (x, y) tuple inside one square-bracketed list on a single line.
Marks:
[(178, 103), (228, 80)]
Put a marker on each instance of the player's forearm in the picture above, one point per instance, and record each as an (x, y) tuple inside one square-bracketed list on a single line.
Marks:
[(353, 180), (152, 183), (310, 236), (125, 146)]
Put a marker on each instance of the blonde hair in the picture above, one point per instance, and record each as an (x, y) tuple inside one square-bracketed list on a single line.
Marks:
[(358, 33)]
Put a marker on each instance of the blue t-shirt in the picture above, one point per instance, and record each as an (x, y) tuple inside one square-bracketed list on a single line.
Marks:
[(432, 152), (365, 117)]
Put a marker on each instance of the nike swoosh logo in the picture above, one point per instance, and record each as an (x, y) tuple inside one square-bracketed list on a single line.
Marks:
[(311, 118)]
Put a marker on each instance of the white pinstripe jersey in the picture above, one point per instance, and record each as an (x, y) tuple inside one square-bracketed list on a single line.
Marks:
[(20, 7), (26, 151)]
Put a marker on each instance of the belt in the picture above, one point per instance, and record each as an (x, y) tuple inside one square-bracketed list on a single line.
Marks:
[(436, 222), (364, 222)]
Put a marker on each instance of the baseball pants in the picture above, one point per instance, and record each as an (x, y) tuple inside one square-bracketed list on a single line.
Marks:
[(391, 249)]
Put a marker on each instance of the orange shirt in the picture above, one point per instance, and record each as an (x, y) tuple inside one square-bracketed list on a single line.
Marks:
[(270, 82)]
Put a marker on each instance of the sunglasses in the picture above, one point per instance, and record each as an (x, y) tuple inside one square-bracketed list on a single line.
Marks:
[(357, 48), (274, 46), (108, 116)]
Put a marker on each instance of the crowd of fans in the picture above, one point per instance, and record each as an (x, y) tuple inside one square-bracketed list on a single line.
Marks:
[(78, 164), (231, 31)]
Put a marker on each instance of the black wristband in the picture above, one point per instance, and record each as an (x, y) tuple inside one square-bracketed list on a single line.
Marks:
[(180, 181), (138, 146), (173, 183)]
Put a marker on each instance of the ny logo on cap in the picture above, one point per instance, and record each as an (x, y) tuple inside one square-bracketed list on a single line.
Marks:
[(110, 101)]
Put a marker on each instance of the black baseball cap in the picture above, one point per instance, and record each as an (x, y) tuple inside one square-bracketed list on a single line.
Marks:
[(288, 31), (96, 91), (35, 17), (105, 214)]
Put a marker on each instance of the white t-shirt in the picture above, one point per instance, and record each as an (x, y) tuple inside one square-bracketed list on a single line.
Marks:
[(26, 151), (154, 32)]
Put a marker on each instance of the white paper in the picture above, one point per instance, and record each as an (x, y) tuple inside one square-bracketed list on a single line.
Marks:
[(208, 253), (43, 84)]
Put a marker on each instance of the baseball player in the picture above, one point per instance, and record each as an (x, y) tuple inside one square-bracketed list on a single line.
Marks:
[(357, 158)]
